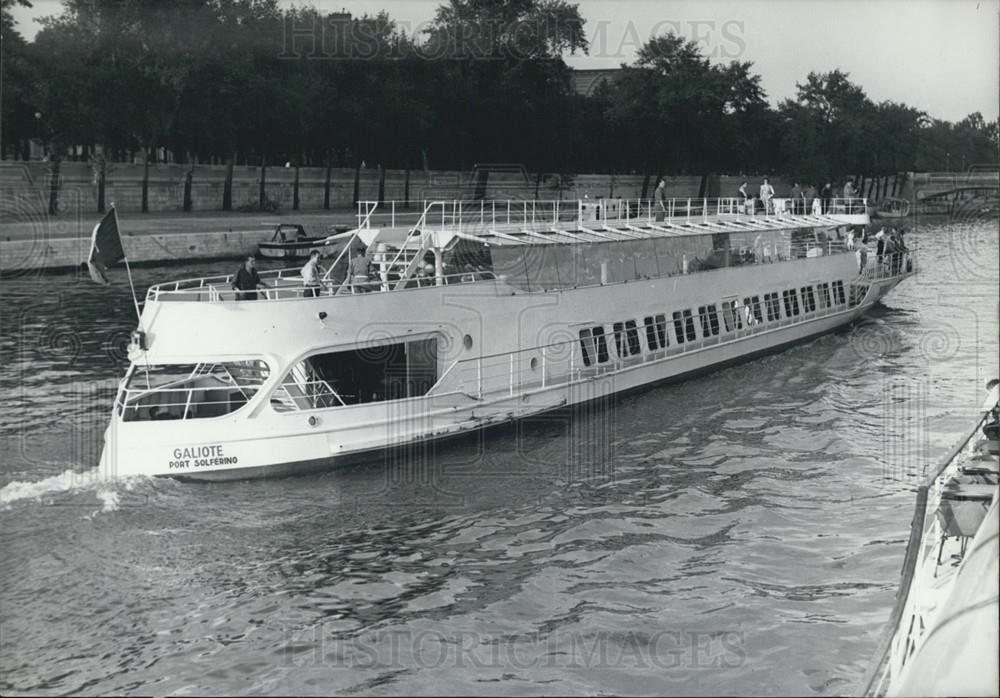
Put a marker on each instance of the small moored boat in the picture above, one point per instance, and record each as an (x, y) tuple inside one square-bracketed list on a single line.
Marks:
[(290, 240), (892, 208)]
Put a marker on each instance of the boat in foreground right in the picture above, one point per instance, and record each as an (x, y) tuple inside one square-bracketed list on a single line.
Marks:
[(942, 637)]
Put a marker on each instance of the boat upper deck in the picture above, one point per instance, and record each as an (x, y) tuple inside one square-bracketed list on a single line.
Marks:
[(566, 243)]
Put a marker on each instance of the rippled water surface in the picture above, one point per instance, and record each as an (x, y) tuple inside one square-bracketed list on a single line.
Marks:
[(737, 533)]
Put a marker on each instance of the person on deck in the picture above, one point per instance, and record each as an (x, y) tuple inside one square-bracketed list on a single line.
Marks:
[(766, 194), (826, 195), (660, 195), (312, 275), (246, 281), (359, 270), (796, 202), (849, 195), (861, 252), (745, 199), (810, 200)]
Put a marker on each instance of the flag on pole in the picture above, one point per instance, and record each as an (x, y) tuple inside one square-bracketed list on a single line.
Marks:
[(105, 247)]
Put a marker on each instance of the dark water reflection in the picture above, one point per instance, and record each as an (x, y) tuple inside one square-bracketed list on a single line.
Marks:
[(737, 533)]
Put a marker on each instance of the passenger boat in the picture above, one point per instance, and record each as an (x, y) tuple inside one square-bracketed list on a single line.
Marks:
[(892, 208), (942, 637), (478, 314), (291, 241)]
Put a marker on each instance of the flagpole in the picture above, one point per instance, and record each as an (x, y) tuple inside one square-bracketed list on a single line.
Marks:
[(128, 269)]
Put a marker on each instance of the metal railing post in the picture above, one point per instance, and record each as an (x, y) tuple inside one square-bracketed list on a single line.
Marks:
[(512, 374), (689, 210)]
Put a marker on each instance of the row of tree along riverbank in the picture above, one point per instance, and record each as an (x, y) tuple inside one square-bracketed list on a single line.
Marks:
[(34, 189), (250, 82)]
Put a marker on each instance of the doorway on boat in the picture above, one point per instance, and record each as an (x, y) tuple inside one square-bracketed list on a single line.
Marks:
[(377, 373)]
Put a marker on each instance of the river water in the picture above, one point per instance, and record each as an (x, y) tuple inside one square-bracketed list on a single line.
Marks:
[(739, 533)]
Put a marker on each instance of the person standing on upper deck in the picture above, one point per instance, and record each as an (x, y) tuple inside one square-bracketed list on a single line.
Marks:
[(809, 196), (311, 275), (659, 195), (246, 281), (766, 194), (745, 201), (359, 269), (826, 196), (796, 198), (849, 192)]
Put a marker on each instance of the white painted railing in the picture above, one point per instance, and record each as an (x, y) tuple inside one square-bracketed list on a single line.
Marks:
[(552, 364)]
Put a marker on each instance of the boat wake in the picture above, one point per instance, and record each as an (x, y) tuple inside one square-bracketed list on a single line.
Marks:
[(106, 489)]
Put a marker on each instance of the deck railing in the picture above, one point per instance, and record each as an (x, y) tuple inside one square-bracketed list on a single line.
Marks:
[(284, 284), (678, 216), (888, 266), (476, 216), (510, 373)]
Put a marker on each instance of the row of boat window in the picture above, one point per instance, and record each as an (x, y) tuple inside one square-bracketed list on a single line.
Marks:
[(594, 344)]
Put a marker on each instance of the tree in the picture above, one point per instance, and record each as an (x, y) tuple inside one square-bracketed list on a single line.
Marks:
[(18, 124)]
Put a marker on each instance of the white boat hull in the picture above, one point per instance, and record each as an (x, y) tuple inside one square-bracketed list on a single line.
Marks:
[(486, 350), (291, 443)]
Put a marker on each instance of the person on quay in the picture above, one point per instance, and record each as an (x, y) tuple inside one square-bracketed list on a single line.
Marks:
[(246, 280), (312, 275)]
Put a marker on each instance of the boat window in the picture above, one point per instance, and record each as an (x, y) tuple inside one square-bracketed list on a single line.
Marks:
[(619, 332), (773, 306), (791, 300), (594, 345), (189, 391), (824, 295), (684, 326), (587, 346), (602, 344), (356, 376), (651, 339), (633, 337), (838, 292), (808, 299), (679, 327), (656, 331), (731, 315), (709, 320), (754, 315), (856, 295)]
